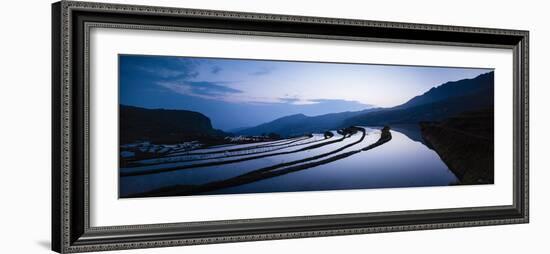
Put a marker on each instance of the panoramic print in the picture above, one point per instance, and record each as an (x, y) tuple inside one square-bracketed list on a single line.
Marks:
[(205, 126)]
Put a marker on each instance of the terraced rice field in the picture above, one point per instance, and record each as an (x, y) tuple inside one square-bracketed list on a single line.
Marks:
[(203, 170)]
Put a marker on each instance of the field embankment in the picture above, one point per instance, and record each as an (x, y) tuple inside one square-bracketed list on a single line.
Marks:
[(465, 144)]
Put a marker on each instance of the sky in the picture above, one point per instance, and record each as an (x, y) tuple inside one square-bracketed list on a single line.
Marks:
[(237, 93)]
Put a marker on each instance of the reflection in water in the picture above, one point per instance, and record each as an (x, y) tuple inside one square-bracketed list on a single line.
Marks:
[(203, 175), (401, 162), (412, 131)]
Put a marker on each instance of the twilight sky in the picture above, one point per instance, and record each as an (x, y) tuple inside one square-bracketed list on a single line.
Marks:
[(237, 93)]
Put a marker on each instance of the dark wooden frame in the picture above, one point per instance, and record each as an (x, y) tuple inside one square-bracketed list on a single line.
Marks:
[(71, 22)]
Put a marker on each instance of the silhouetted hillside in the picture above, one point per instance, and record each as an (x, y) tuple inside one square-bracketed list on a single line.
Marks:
[(300, 124), (436, 104), (164, 126), (465, 143), (462, 88)]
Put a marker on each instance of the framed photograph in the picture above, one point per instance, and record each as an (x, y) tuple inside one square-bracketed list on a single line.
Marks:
[(182, 126)]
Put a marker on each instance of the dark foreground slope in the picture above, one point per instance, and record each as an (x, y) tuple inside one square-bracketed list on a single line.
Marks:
[(465, 143), (164, 126)]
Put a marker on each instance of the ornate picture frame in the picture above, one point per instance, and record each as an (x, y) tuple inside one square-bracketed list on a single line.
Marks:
[(71, 24)]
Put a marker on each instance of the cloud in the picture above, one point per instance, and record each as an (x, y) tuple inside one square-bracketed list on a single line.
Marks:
[(348, 102), (296, 101), (201, 89), (163, 72), (216, 69), (289, 100), (263, 71), (168, 68)]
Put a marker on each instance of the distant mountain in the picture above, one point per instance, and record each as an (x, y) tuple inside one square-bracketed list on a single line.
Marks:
[(464, 87), (300, 124), (436, 104), (164, 126)]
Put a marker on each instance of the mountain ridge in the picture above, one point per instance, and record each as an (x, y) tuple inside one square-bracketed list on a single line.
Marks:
[(452, 89), (300, 124), (436, 104), (163, 125)]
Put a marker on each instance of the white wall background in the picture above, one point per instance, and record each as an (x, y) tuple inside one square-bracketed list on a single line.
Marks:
[(25, 125)]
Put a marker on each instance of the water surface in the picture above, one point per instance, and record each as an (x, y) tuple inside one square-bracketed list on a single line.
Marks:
[(401, 162)]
